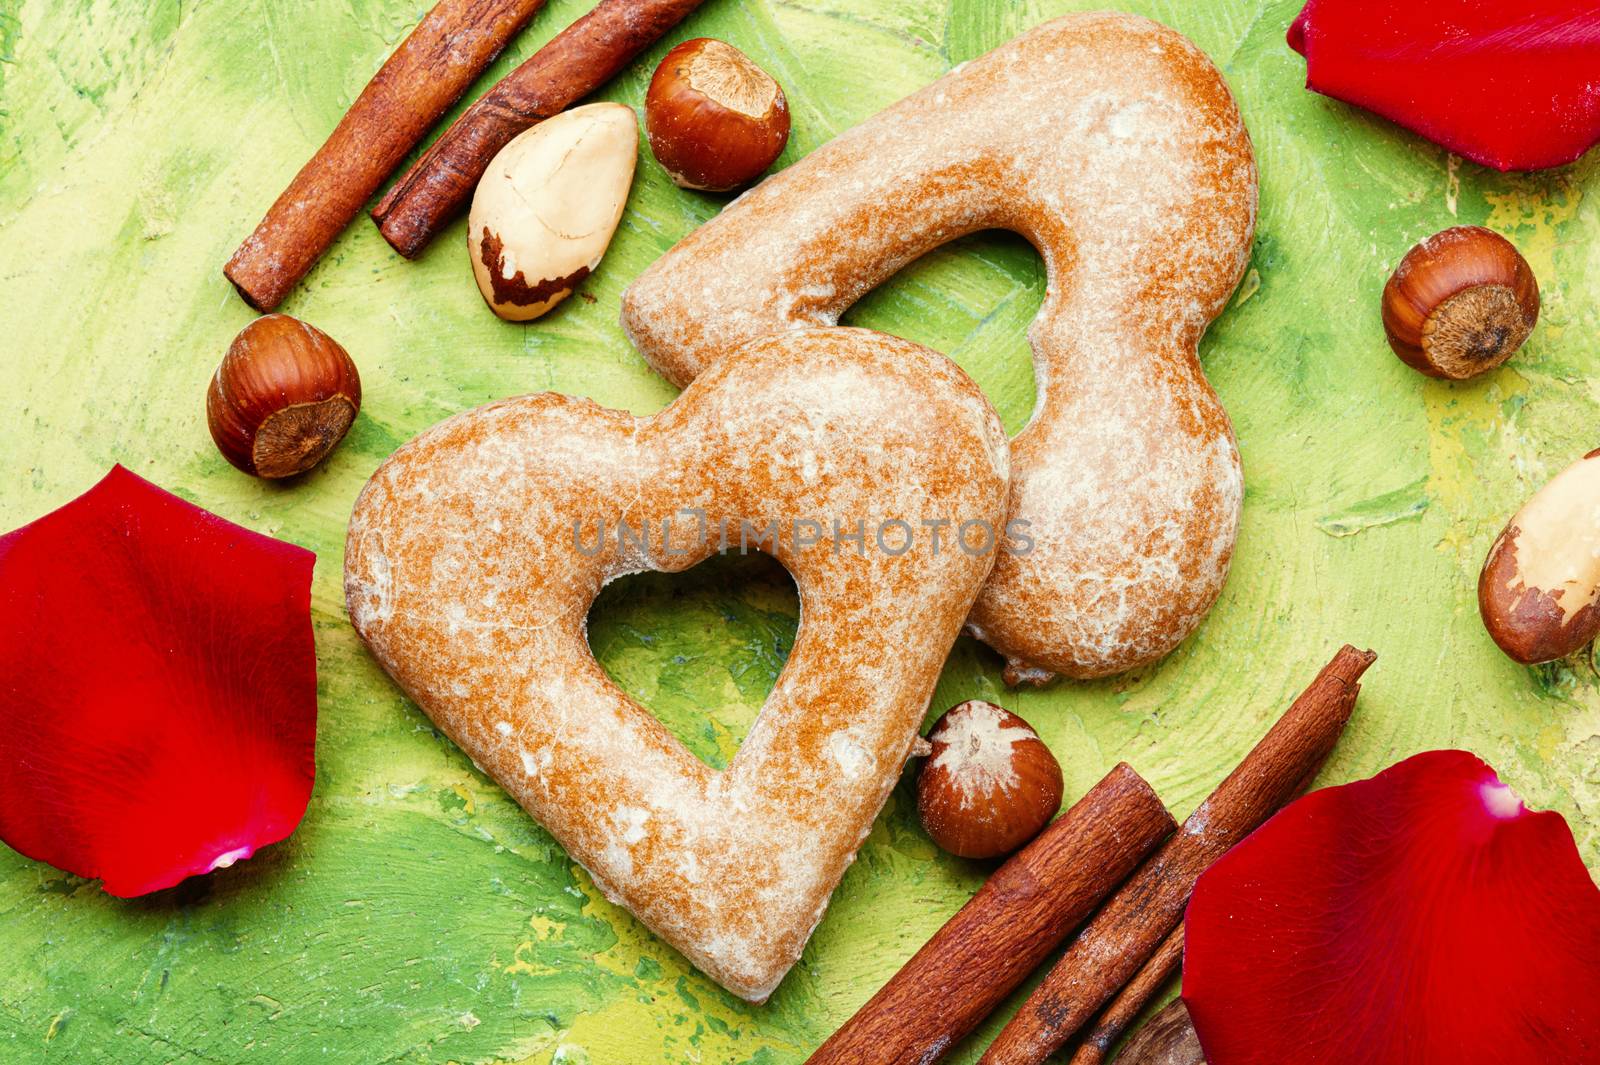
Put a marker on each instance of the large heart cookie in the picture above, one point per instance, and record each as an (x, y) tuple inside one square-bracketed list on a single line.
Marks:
[(1113, 145), (870, 467)]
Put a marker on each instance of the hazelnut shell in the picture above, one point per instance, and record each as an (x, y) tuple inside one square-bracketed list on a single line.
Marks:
[(715, 120), (989, 784), (1460, 303), (283, 397)]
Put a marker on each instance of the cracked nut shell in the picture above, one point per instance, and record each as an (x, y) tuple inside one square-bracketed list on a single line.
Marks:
[(1539, 592), (547, 206)]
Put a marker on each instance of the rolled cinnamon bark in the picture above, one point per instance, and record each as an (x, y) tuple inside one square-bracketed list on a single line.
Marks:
[(1024, 911), (1131, 927), (428, 72), (1130, 1001), (576, 62)]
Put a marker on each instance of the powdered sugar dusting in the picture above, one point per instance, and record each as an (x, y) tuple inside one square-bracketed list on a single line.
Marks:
[(848, 754), (976, 740), (485, 597), (1112, 143)]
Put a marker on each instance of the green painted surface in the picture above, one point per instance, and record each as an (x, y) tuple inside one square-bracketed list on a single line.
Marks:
[(418, 916)]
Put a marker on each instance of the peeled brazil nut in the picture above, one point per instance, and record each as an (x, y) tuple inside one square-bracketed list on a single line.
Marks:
[(1540, 583), (543, 215)]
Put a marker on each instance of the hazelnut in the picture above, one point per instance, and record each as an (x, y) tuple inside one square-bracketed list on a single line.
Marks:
[(1540, 583), (283, 397), (1460, 303), (989, 784), (547, 206), (715, 119)]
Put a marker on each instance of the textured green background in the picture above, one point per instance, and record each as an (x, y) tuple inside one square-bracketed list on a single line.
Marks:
[(419, 916)]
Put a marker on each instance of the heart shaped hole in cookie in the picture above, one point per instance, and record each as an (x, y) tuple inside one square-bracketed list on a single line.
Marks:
[(984, 291), (700, 649)]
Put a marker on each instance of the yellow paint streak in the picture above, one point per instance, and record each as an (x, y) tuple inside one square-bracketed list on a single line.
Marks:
[(729, 721), (1550, 740), (521, 963), (638, 1027), (545, 927), (1531, 212), (634, 941), (1455, 474)]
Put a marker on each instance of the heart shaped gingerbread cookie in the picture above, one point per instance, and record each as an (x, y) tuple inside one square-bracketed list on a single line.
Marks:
[(1112, 143), (872, 468)]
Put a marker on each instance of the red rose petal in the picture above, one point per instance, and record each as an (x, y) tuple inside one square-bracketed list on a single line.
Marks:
[(1515, 86), (158, 687), (1423, 917)]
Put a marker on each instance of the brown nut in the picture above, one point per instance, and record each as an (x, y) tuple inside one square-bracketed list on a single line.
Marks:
[(989, 784), (1460, 303), (282, 398), (544, 213), (1540, 584), (715, 119), (1168, 1038)]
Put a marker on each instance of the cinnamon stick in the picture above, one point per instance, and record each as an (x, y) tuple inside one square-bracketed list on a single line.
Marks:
[(1116, 1018), (1128, 931), (1168, 1038), (576, 62), (1131, 1001), (1024, 911), (428, 72)]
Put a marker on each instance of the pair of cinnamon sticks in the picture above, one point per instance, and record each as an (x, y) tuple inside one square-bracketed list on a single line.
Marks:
[(1126, 953), (430, 70)]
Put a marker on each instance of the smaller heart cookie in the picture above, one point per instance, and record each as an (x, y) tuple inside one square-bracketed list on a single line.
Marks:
[(872, 468), (1112, 143)]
